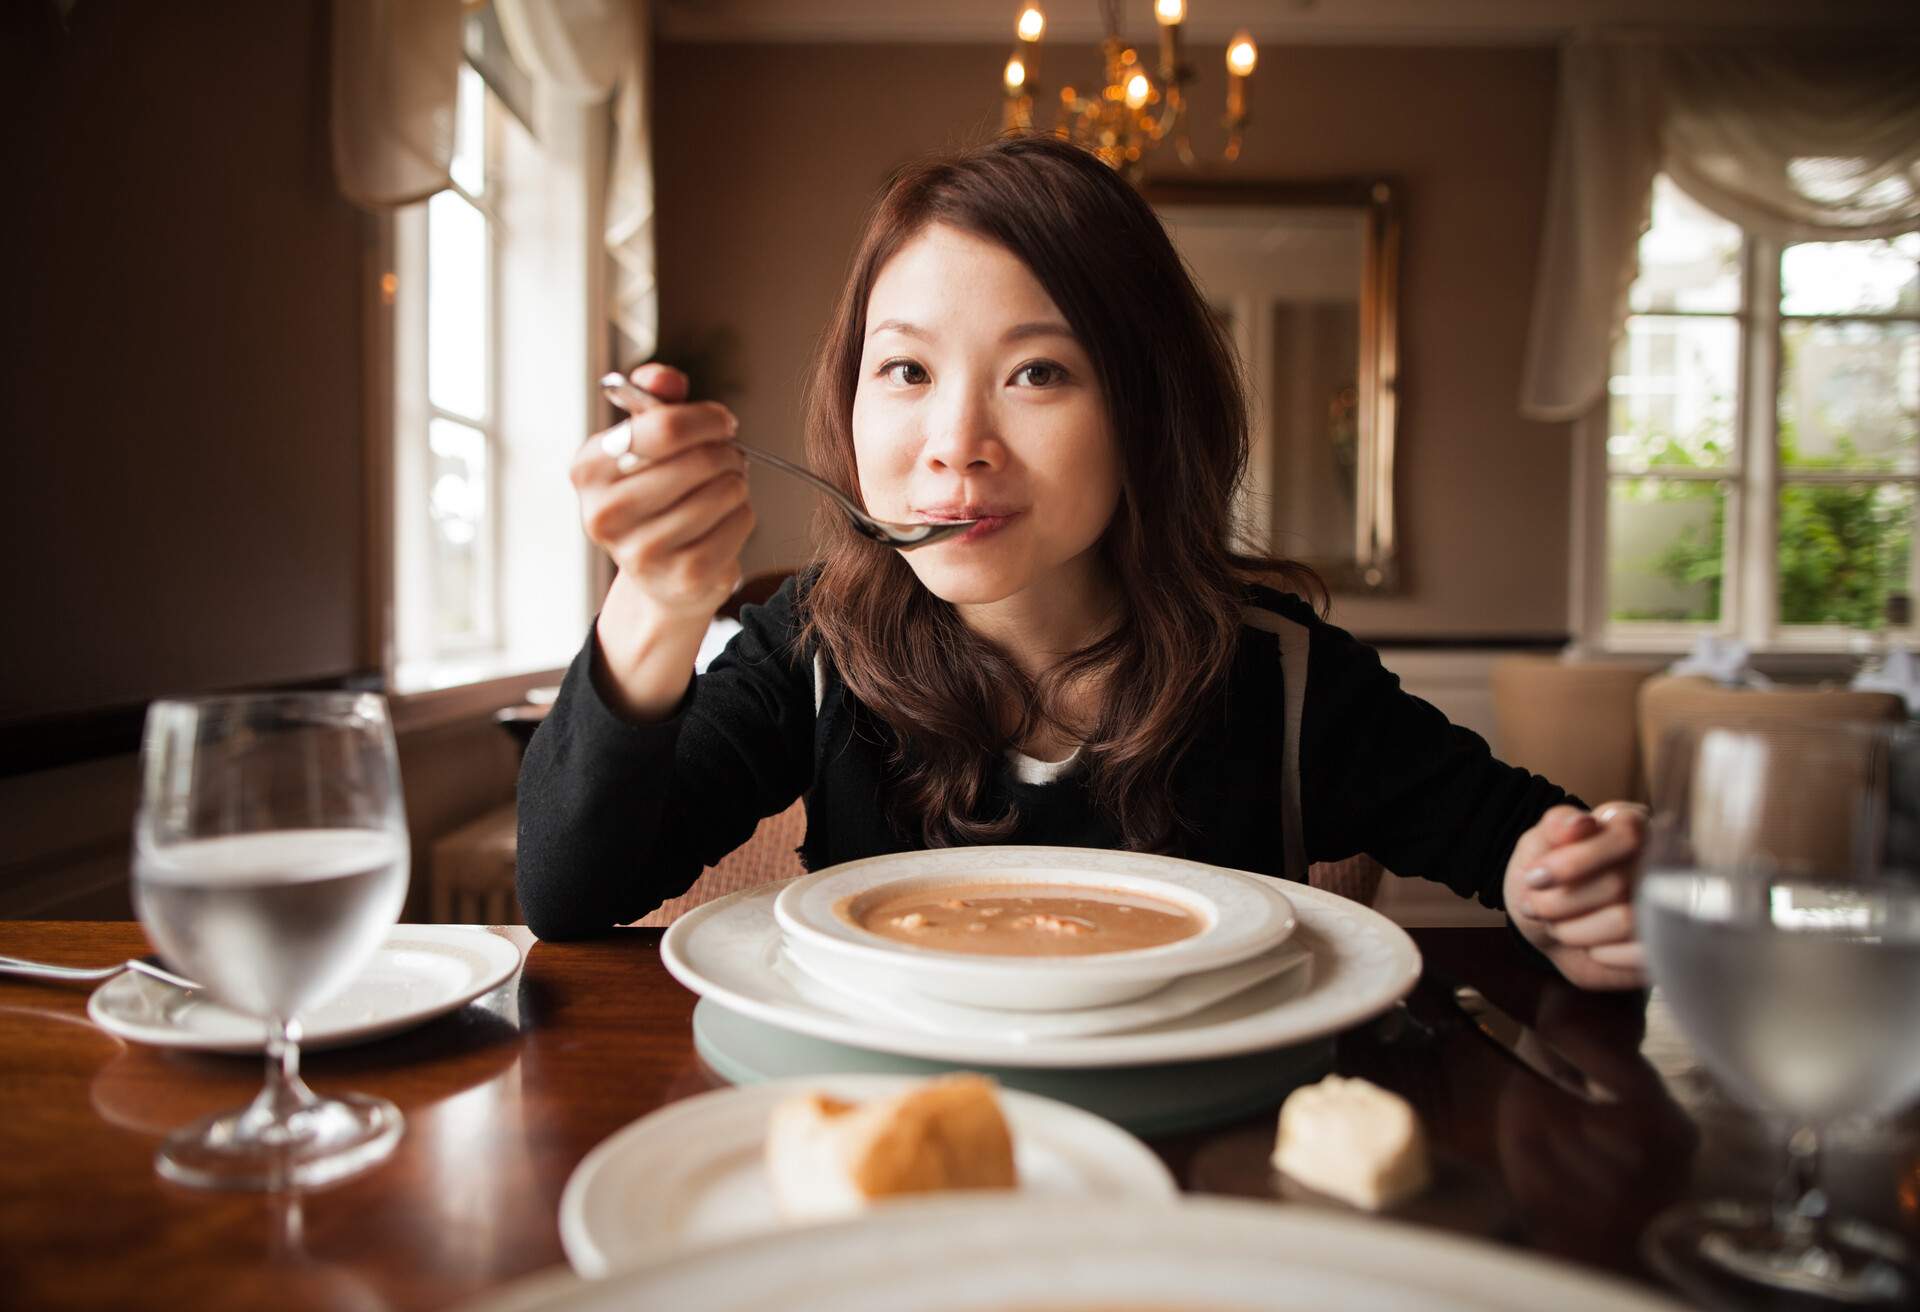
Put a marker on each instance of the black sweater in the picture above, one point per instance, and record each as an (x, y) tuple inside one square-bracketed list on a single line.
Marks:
[(617, 817)]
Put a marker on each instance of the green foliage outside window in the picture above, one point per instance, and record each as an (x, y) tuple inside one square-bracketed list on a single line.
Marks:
[(1843, 546)]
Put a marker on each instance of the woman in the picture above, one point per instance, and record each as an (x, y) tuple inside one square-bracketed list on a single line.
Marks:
[(1018, 344)]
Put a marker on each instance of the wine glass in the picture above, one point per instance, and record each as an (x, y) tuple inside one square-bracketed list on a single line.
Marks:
[(270, 859), (1780, 913)]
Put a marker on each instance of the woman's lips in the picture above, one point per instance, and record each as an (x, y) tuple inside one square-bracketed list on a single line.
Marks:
[(985, 523), (985, 526)]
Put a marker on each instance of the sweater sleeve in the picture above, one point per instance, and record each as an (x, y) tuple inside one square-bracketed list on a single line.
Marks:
[(1385, 773), (615, 817)]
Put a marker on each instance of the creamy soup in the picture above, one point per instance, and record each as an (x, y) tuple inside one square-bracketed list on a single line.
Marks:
[(1023, 920)]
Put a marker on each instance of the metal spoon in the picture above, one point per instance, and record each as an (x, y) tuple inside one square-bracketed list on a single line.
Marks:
[(904, 536), (44, 970)]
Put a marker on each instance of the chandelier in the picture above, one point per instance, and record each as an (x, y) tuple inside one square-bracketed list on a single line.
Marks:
[(1135, 110)]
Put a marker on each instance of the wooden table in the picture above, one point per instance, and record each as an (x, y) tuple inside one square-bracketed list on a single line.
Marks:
[(504, 1098)]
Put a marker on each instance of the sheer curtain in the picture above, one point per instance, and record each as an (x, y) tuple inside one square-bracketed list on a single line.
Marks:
[(590, 50), (396, 67), (1799, 144), (396, 76)]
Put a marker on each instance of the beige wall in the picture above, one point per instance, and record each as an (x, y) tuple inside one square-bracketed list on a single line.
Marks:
[(181, 407), (768, 156)]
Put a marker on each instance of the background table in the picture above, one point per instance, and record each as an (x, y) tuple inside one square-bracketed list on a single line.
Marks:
[(504, 1098)]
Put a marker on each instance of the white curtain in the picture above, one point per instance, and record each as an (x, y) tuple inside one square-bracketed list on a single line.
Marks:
[(1799, 144), (589, 50), (396, 76)]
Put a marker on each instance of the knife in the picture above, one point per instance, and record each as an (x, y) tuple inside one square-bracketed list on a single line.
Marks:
[(1526, 1046)]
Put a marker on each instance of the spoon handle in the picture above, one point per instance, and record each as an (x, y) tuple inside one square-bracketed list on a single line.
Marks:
[(635, 401), (45, 970)]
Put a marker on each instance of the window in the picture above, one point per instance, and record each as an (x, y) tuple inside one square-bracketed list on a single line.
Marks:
[(492, 352), (1762, 441)]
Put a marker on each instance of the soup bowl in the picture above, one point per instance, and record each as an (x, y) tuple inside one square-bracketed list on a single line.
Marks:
[(1226, 917)]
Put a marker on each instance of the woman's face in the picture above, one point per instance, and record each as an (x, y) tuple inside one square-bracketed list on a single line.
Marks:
[(975, 401)]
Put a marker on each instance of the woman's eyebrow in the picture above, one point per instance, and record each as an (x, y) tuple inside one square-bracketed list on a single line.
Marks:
[(1019, 332), (899, 326), (1045, 328)]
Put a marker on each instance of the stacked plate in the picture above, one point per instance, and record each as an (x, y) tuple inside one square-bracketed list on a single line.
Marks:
[(884, 955)]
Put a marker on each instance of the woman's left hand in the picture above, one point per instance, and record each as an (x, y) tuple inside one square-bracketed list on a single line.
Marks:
[(1569, 890)]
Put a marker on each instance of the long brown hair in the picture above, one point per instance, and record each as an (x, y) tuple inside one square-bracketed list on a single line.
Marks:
[(1175, 399)]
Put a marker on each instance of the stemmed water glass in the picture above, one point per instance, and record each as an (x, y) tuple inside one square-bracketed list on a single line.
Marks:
[(1780, 912), (270, 859)]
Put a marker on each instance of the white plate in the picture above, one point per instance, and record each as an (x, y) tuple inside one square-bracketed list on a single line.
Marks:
[(970, 1254), (852, 992), (1242, 915), (420, 972), (690, 1175), (1363, 963)]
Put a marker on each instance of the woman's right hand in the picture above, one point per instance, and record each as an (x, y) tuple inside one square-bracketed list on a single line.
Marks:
[(674, 528)]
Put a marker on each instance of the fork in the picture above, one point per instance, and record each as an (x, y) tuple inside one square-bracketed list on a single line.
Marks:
[(87, 974), (906, 537)]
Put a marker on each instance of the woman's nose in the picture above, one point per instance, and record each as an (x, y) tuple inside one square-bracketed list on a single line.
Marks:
[(963, 437)]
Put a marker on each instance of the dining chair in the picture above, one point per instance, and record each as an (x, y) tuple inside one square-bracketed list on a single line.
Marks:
[(1797, 815), (1573, 722), (1668, 700)]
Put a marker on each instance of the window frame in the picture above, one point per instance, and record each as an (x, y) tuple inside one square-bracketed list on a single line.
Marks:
[(569, 137), (1755, 479)]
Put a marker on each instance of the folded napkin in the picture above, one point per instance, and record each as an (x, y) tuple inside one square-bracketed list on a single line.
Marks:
[(1724, 660), (1898, 673)]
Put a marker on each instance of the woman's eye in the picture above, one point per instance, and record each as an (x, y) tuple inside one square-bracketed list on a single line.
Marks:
[(1041, 373), (904, 371)]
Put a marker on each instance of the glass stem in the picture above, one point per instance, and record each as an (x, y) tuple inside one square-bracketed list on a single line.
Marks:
[(1801, 1205), (285, 1093)]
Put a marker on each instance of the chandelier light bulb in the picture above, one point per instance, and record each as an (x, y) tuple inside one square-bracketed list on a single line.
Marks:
[(1170, 13), (1032, 23), (1016, 74), (1138, 89), (1241, 54)]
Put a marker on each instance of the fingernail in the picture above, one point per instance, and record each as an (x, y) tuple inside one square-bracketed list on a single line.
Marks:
[(1538, 877), (1525, 907)]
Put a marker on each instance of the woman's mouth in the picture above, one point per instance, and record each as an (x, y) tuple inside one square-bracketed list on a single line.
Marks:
[(986, 521)]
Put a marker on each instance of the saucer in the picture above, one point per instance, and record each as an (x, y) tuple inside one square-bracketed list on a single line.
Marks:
[(420, 972)]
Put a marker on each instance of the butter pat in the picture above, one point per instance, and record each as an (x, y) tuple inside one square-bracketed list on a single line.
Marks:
[(1354, 1140), (827, 1158)]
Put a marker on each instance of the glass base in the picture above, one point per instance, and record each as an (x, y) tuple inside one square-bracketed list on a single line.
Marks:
[(325, 1140), (1735, 1255)]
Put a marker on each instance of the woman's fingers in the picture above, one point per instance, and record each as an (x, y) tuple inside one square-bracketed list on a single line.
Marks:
[(653, 541), (1614, 837), (611, 511), (1564, 902), (643, 440), (662, 381), (1610, 924), (664, 492), (1620, 956)]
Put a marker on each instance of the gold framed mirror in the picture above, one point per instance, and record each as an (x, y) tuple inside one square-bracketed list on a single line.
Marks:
[(1305, 277)]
